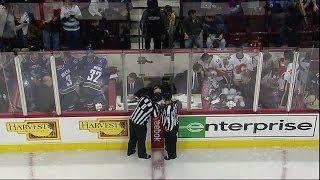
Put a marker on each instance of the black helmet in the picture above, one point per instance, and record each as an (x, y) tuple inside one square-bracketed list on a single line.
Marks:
[(166, 91), (155, 97)]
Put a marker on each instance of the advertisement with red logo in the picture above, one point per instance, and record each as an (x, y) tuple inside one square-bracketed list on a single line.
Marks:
[(157, 136)]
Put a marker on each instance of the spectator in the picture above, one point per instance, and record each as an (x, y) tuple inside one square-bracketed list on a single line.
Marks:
[(107, 8), (123, 7), (235, 6), (172, 27), (70, 14), (305, 5), (29, 33), (277, 16), (180, 81), (51, 31), (215, 29), (193, 32), (153, 24), (97, 8), (285, 3), (96, 32), (288, 32), (309, 10), (7, 30), (125, 42)]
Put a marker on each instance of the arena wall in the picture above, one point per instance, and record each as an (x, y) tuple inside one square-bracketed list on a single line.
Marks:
[(196, 131)]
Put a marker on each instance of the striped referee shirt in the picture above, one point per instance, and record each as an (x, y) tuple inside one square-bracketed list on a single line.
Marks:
[(169, 116), (144, 110)]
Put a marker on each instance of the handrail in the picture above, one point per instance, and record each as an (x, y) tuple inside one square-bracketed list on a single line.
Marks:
[(163, 51), (223, 112)]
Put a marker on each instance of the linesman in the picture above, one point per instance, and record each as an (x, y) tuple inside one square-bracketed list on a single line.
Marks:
[(169, 116), (147, 108)]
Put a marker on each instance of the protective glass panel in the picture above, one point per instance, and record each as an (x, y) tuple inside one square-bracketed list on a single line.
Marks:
[(9, 90), (224, 80), (37, 81), (306, 90), (180, 71), (88, 81), (147, 70), (274, 87)]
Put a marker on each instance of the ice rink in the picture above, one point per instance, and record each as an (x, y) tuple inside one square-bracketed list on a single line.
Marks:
[(191, 164)]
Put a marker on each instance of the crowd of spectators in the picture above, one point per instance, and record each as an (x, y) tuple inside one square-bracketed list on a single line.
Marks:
[(67, 26)]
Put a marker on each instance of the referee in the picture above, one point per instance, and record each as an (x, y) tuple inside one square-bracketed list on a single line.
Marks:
[(147, 107), (169, 116)]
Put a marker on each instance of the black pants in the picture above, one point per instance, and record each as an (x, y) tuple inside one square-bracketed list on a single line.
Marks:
[(138, 133), (156, 41), (171, 142)]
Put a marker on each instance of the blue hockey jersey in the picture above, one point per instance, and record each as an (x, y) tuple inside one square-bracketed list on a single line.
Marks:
[(34, 68), (67, 76), (95, 73)]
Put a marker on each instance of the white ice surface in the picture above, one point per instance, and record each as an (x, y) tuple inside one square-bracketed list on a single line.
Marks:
[(191, 164)]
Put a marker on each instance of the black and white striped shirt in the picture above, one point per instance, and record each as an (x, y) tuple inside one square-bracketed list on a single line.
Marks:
[(169, 116), (144, 110)]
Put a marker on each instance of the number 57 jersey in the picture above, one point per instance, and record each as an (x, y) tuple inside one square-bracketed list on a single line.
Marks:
[(95, 73)]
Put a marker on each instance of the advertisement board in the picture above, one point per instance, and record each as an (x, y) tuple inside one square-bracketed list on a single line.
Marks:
[(36, 130), (112, 132), (106, 127), (258, 126), (157, 133)]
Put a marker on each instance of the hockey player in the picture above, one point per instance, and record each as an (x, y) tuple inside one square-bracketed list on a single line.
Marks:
[(33, 68), (67, 76), (242, 68), (4, 100), (213, 65), (238, 63), (95, 78)]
